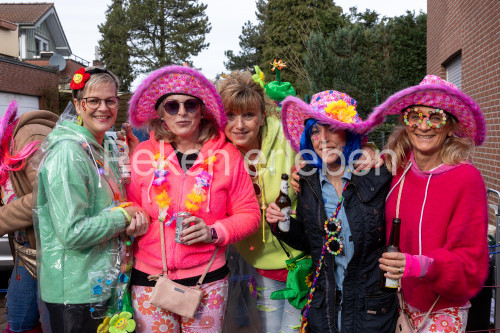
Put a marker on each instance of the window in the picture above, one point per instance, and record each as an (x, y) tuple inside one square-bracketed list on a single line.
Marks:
[(41, 45), (454, 71)]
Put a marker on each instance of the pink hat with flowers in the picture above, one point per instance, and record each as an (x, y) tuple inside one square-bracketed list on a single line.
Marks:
[(174, 80), (437, 93), (328, 107)]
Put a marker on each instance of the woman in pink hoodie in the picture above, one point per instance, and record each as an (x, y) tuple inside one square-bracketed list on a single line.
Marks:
[(186, 166), (440, 198)]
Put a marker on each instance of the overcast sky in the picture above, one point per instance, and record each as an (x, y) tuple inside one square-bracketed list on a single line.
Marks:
[(79, 20)]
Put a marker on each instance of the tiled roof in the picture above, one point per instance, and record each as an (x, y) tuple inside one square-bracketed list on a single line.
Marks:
[(28, 13)]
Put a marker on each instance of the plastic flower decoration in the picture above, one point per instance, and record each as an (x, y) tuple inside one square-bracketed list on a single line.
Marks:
[(163, 200), (79, 79), (104, 326), (339, 110), (197, 194), (278, 64), (122, 323), (309, 279), (259, 77)]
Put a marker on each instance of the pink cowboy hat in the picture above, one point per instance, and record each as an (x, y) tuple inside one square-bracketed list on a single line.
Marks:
[(326, 108), (177, 80), (437, 93)]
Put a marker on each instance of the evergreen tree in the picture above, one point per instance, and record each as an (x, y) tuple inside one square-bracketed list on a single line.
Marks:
[(281, 32), (113, 48), (369, 59), (251, 43), (286, 29), (164, 32)]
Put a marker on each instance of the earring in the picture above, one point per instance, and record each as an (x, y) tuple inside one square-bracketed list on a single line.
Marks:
[(79, 120)]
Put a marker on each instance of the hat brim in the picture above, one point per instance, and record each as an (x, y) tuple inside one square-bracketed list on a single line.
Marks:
[(295, 112), (471, 122), (174, 79)]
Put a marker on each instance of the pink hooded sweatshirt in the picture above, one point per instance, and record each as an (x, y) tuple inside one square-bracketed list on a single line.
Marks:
[(230, 206), (443, 216)]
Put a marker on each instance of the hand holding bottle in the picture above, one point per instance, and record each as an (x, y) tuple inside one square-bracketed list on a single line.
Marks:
[(393, 263)]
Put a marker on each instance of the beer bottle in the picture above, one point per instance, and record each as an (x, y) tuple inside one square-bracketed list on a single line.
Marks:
[(386, 283), (284, 203)]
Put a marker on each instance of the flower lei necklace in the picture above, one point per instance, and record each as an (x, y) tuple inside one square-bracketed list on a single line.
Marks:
[(193, 199), (330, 236)]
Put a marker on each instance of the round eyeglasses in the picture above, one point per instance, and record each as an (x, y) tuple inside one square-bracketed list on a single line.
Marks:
[(94, 102), (413, 117)]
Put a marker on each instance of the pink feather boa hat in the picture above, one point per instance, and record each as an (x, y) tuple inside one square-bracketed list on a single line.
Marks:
[(437, 93), (8, 123), (178, 80)]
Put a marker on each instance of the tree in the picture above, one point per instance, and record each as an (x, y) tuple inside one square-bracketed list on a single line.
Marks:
[(281, 32), (286, 29), (115, 53), (164, 32), (369, 59), (251, 43)]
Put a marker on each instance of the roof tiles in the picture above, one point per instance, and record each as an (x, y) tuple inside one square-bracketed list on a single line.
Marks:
[(24, 13)]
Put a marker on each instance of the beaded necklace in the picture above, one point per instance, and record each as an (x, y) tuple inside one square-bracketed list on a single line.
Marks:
[(334, 235), (330, 236)]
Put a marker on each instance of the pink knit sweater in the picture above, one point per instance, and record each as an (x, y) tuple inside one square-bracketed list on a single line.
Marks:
[(230, 207), (449, 227)]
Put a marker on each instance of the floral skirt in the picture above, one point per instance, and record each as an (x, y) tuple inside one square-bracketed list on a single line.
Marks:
[(209, 316), (443, 320)]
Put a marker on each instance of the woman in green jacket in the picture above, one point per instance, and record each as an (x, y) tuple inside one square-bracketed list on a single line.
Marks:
[(258, 134), (81, 210)]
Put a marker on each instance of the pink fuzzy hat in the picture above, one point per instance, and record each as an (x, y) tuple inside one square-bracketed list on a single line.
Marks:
[(437, 93), (324, 107), (178, 80)]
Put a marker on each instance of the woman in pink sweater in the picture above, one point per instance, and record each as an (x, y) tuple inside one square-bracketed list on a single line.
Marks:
[(440, 198), (186, 166)]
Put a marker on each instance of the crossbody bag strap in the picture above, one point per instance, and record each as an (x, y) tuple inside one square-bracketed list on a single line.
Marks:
[(424, 320), (164, 259), (422, 323), (200, 281), (399, 195)]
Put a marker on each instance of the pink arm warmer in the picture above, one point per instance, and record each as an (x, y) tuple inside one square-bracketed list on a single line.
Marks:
[(417, 266)]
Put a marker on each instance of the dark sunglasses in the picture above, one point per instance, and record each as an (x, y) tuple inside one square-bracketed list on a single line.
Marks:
[(253, 172), (191, 105)]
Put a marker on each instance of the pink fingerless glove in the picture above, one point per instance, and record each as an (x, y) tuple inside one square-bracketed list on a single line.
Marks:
[(417, 266)]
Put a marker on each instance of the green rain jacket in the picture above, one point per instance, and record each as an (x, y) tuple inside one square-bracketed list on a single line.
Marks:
[(262, 249), (77, 233)]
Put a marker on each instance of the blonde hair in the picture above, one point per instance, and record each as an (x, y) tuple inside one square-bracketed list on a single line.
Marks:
[(95, 79), (208, 128), (455, 150), (239, 93)]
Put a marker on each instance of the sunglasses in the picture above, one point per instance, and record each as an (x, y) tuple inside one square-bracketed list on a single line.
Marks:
[(191, 106), (254, 175), (413, 117)]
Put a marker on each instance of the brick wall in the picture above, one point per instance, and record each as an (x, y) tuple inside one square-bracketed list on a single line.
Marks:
[(472, 28), (22, 78)]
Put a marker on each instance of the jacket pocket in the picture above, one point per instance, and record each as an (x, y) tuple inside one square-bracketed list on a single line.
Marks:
[(381, 312)]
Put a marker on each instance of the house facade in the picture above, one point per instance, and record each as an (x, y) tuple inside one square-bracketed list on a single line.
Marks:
[(35, 56), (463, 46)]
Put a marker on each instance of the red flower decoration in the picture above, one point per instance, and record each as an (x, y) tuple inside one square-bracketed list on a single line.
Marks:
[(79, 79)]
